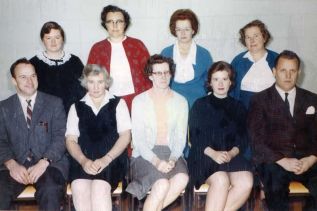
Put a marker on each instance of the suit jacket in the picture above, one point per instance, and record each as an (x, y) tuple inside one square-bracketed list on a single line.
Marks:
[(46, 136), (275, 133)]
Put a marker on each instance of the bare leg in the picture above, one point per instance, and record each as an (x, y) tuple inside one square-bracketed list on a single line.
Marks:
[(101, 195), (158, 192), (81, 194), (177, 185), (241, 186), (219, 184)]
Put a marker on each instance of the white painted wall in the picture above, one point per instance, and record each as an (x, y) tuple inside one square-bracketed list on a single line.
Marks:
[(291, 22)]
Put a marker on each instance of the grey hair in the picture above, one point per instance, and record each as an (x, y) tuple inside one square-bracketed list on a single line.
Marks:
[(95, 69)]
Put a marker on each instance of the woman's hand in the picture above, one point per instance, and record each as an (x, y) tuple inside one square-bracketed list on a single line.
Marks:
[(220, 157), (89, 167), (164, 166), (233, 152), (102, 163)]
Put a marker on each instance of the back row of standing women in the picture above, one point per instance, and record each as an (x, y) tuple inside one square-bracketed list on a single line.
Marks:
[(217, 122)]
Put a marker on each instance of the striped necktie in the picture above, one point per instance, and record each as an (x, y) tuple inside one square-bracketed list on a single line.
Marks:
[(28, 113)]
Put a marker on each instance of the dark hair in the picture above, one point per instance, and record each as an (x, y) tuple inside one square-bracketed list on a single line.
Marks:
[(112, 8), (48, 26), (158, 59), (184, 14), (287, 54), (255, 23), (16, 63), (220, 66)]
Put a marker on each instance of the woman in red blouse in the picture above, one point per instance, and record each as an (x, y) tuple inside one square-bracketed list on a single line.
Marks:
[(124, 57)]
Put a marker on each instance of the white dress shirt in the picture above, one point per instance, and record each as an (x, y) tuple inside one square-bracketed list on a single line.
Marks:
[(24, 104), (291, 97)]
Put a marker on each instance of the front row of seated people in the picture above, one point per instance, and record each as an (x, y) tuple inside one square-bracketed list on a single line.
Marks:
[(281, 124)]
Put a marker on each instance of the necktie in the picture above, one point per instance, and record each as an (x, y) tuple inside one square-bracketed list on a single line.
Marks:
[(286, 102), (28, 113)]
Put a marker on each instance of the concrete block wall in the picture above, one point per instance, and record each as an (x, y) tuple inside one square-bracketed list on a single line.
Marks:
[(292, 24)]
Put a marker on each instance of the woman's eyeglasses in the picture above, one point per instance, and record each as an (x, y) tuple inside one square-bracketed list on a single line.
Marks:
[(165, 73)]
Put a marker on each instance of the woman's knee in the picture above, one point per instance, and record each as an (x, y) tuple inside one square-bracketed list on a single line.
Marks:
[(181, 178), (100, 188), (219, 179), (242, 180), (160, 189)]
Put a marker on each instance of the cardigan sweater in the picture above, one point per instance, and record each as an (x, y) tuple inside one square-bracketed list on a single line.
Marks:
[(144, 127), (241, 66), (137, 55), (195, 88)]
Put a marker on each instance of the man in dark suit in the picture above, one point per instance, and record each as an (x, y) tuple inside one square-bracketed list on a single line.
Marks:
[(32, 145), (283, 127)]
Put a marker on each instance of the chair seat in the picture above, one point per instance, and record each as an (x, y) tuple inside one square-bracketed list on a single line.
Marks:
[(28, 193), (297, 188)]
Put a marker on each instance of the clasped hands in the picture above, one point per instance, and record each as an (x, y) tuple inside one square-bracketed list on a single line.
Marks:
[(96, 166), (222, 157), (27, 176), (164, 166), (297, 166)]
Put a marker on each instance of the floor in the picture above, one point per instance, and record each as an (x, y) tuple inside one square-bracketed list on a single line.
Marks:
[(176, 206)]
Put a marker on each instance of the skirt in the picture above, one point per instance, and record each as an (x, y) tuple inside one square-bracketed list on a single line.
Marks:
[(144, 174)]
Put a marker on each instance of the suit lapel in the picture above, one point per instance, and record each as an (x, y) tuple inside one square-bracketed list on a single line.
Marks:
[(280, 102), (38, 108), (18, 114), (299, 101)]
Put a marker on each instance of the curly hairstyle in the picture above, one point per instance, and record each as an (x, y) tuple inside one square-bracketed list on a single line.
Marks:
[(158, 59), (255, 23), (184, 14), (112, 8)]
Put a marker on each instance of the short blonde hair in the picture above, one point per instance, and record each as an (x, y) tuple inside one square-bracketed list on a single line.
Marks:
[(95, 69)]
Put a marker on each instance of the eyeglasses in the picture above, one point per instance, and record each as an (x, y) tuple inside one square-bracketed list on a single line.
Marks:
[(183, 30), (165, 73), (254, 37), (115, 22)]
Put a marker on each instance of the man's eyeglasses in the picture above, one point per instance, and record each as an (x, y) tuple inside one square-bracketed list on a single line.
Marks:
[(165, 73)]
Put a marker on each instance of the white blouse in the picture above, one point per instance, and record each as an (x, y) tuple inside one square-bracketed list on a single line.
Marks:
[(122, 115), (184, 66), (120, 71), (259, 76)]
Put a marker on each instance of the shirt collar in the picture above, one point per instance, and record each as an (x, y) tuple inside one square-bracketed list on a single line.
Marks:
[(191, 57), (23, 99), (291, 93), (88, 101), (249, 56)]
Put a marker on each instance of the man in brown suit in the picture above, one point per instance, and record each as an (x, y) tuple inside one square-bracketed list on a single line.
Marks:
[(282, 123)]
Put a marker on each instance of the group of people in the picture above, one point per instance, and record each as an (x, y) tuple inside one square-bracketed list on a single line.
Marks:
[(191, 121)]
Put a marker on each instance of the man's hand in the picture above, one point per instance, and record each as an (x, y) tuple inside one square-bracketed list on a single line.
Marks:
[(291, 164), (307, 163), (36, 171), (18, 172)]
